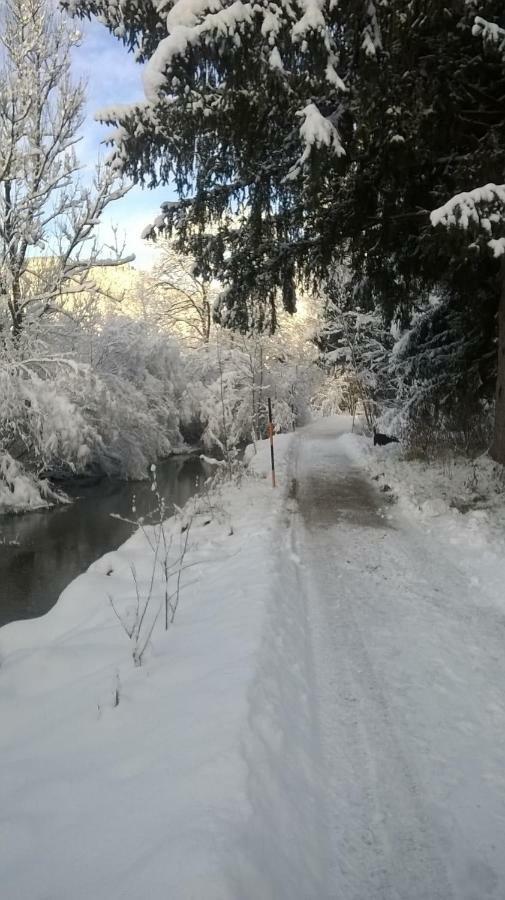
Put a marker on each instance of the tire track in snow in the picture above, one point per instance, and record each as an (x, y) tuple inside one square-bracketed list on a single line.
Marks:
[(376, 739), (385, 846)]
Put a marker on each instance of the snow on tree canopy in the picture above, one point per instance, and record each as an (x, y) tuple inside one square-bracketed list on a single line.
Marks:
[(245, 108), (192, 23), (241, 101), (481, 209), (372, 40), (312, 18), (209, 26), (464, 208)]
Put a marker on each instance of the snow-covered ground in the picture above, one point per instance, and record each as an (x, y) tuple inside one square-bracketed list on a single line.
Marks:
[(152, 796), (325, 718), (459, 501)]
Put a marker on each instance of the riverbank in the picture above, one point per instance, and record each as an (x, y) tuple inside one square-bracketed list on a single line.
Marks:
[(42, 551), (18, 494), (131, 778)]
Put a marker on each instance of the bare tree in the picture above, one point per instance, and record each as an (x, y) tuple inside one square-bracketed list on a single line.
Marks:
[(178, 298), (45, 208)]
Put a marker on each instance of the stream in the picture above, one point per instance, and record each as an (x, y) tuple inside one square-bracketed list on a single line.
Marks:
[(41, 552)]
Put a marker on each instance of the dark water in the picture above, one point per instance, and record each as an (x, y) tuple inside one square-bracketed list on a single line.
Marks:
[(54, 546)]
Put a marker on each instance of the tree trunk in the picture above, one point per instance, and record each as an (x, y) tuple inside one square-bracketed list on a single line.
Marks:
[(14, 307), (208, 320), (498, 447)]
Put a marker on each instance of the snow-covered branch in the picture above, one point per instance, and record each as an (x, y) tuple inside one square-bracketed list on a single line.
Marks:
[(481, 210), (490, 33), (316, 130), (45, 211)]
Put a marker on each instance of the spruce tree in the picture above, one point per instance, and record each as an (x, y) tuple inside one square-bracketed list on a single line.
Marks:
[(296, 132), (244, 115), (300, 134)]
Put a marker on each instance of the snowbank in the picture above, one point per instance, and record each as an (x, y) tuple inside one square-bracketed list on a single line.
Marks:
[(120, 781), (459, 500)]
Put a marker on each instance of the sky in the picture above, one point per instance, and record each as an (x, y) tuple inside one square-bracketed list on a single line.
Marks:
[(113, 77)]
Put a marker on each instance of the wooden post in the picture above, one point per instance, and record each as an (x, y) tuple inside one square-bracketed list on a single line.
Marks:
[(271, 433)]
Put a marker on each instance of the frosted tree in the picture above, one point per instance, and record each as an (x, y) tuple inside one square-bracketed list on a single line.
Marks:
[(230, 378), (299, 134), (48, 219), (355, 348), (481, 213), (176, 299), (45, 208)]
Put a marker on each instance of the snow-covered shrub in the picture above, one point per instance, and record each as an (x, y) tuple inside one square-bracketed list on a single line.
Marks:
[(225, 400), (111, 407), (105, 393), (138, 379), (42, 428), (20, 489), (215, 397)]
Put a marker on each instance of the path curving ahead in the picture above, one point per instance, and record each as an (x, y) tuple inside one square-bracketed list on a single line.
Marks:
[(404, 671)]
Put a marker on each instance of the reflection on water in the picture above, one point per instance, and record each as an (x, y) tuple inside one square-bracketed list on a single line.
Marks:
[(54, 546)]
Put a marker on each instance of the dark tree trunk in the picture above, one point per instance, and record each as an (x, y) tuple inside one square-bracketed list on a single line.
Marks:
[(498, 447), (15, 308)]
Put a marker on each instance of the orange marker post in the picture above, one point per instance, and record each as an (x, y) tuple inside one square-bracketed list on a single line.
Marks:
[(271, 436)]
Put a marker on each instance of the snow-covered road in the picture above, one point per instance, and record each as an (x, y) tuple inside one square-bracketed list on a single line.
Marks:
[(324, 720), (404, 672)]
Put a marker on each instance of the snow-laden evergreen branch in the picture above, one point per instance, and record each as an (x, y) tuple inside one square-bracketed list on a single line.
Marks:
[(481, 210), (315, 131), (490, 32)]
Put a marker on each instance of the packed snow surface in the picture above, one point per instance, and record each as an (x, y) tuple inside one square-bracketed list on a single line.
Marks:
[(325, 717)]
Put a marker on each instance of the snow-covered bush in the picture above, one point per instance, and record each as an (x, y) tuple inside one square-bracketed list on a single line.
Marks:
[(20, 489), (138, 379), (225, 401), (111, 407), (42, 428)]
